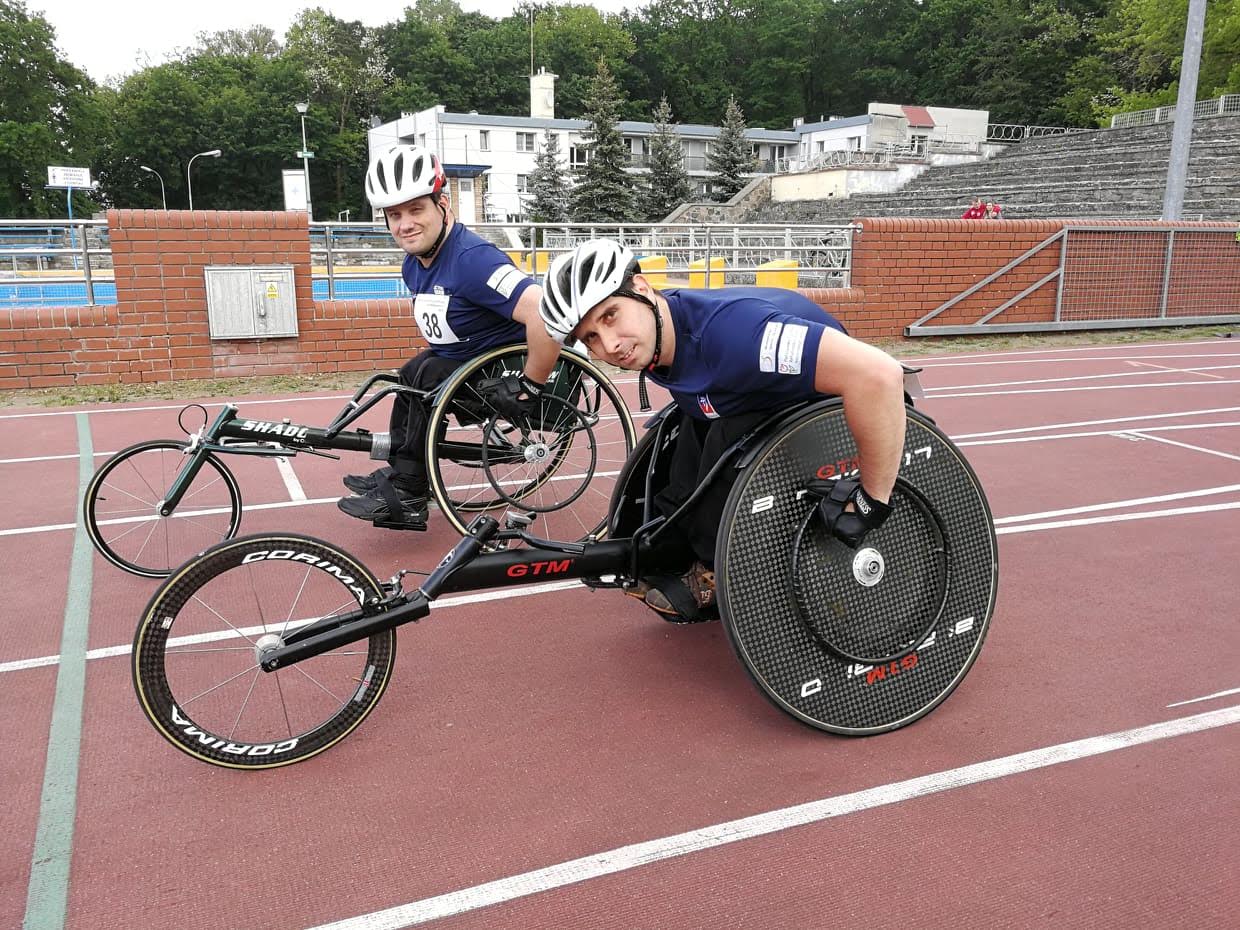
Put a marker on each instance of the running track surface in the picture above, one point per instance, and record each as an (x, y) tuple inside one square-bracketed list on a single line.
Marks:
[(563, 758)]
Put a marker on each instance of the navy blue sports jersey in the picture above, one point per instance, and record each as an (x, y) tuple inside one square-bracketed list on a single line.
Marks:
[(463, 302), (741, 350)]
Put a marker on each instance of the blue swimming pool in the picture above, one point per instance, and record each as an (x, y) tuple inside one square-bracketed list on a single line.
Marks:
[(36, 294)]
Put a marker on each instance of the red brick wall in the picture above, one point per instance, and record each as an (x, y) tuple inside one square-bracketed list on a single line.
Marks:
[(902, 270)]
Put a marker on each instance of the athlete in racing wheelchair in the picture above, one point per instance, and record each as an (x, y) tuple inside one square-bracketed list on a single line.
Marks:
[(730, 358)]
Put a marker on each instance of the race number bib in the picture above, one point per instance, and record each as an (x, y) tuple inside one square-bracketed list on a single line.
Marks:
[(431, 313)]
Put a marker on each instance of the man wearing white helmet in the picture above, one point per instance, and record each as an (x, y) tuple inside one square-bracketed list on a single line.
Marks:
[(729, 358), (467, 297)]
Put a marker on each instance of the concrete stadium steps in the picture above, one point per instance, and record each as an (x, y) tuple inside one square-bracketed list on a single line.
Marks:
[(1106, 172)]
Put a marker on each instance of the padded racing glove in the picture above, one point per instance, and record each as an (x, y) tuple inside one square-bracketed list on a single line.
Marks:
[(514, 395), (849, 527)]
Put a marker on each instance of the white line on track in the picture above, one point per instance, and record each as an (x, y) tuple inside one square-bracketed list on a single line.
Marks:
[(1208, 697), (1115, 347), (1118, 518), (462, 600), (694, 841), (1100, 387), (1145, 416), (1182, 445), (1184, 371), (1137, 431), (1117, 505), (1100, 377), (914, 363), (285, 467)]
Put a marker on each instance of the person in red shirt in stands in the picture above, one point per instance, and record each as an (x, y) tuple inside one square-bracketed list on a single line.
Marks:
[(993, 211), (975, 212)]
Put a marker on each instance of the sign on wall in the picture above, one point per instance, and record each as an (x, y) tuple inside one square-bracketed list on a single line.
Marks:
[(294, 189)]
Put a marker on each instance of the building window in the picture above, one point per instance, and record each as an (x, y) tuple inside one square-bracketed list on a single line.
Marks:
[(484, 140), (578, 156), (854, 143), (525, 142), (422, 139), (523, 184)]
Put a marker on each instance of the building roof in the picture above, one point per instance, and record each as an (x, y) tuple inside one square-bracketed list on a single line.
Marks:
[(630, 127), (844, 123), (918, 117), (464, 171)]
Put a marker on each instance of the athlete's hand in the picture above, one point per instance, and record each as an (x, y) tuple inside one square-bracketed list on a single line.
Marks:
[(514, 396), (848, 526)]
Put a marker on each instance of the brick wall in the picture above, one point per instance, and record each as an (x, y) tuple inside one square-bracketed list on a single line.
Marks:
[(902, 270)]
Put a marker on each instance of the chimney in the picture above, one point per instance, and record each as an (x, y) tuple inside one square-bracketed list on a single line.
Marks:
[(542, 94)]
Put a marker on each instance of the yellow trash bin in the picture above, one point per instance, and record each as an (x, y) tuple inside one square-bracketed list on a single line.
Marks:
[(518, 259), (780, 272), (654, 267), (697, 273)]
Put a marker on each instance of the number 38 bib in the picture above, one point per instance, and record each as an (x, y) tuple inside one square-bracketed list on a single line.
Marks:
[(431, 313)]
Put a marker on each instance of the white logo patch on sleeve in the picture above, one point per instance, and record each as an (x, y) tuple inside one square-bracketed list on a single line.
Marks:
[(790, 345), (504, 279), (770, 341)]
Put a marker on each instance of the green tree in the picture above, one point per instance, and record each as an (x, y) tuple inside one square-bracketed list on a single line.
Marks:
[(729, 158), (47, 117), (667, 185), (548, 184), (604, 189)]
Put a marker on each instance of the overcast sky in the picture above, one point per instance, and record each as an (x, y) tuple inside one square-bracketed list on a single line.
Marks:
[(117, 37)]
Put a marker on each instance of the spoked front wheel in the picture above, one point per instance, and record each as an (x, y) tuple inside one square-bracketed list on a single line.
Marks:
[(122, 502), (197, 649)]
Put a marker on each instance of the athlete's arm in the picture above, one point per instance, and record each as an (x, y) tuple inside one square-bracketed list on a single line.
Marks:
[(871, 384), (544, 351)]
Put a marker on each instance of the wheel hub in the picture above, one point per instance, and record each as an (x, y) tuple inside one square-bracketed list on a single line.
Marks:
[(536, 453), (265, 644), (868, 567)]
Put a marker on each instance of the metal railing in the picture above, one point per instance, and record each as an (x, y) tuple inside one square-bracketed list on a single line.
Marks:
[(359, 259), (55, 263), (1226, 105), (1015, 132)]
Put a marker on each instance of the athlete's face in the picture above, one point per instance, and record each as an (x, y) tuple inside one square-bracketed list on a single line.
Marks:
[(620, 331), (414, 224)]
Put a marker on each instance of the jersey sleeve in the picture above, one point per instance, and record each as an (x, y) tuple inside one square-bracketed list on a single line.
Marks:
[(764, 348), (489, 279)]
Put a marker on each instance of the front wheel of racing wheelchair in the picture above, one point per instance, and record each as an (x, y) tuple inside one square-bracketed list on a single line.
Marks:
[(855, 642), (560, 460)]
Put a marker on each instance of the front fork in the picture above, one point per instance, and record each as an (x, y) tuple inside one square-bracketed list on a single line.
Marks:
[(197, 450)]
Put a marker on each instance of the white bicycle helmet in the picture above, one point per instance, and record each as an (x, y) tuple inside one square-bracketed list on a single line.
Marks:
[(579, 280), (402, 173)]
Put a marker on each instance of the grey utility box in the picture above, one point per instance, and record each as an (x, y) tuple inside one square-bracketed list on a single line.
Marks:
[(251, 301)]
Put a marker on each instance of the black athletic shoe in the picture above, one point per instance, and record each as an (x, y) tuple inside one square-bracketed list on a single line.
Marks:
[(364, 484), (400, 509)]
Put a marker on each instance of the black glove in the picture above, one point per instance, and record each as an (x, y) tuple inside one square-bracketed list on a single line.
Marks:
[(849, 527), (514, 396)]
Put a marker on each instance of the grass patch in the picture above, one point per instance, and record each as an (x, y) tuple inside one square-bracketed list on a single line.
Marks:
[(220, 388)]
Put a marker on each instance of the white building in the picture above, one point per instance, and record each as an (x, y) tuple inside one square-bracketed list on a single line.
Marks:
[(488, 159), (892, 126)]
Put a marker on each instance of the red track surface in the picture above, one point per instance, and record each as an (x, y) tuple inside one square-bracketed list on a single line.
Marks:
[(529, 732)]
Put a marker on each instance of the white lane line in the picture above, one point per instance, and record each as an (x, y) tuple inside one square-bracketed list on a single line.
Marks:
[(289, 476), (1208, 697), (1100, 387), (1185, 371), (1147, 416), (1119, 518), (948, 361), (1099, 377), (1115, 505), (1182, 445), (1137, 431), (125, 649), (776, 821)]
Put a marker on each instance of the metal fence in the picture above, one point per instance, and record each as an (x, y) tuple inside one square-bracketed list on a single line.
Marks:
[(1227, 105), (55, 263), (1015, 132), (359, 259), (1103, 277)]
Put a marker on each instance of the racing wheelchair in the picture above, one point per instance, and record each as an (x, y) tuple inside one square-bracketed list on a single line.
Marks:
[(269, 649), (155, 504)]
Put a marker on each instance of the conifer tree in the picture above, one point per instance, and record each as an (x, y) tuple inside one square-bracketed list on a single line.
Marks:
[(730, 157), (604, 190), (667, 185), (548, 184)]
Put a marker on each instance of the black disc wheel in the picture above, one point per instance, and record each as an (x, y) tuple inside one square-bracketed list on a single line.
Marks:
[(122, 503), (197, 649), (859, 641), (561, 461)]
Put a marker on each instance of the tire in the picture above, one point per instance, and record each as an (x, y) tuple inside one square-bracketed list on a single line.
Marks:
[(195, 666), (934, 594), (120, 508), (577, 443)]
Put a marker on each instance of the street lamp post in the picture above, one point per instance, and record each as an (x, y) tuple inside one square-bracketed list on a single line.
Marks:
[(189, 184), (163, 195), (305, 158)]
